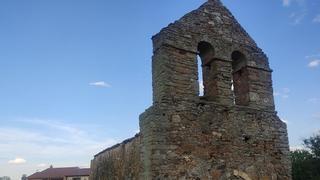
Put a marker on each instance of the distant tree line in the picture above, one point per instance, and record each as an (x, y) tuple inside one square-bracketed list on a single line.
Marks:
[(24, 177), (306, 162), (5, 178)]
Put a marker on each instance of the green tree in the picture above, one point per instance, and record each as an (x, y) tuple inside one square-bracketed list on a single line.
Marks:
[(313, 143), (24, 177), (306, 163)]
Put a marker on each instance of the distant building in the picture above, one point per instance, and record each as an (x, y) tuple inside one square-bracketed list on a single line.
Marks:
[(67, 173)]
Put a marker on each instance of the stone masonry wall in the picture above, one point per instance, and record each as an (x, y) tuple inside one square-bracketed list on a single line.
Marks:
[(176, 47), (210, 141), (232, 132), (119, 162)]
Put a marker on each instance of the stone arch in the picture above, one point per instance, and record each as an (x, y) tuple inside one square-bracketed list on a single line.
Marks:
[(206, 52), (239, 81), (239, 60)]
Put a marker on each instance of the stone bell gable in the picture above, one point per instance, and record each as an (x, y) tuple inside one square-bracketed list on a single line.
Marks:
[(231, 132), (228, 55)]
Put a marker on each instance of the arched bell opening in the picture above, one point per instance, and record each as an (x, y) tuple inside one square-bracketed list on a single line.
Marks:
[(205, 56), (239, 80)]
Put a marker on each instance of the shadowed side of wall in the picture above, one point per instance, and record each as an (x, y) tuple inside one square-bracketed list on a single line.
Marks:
[(121, 161)]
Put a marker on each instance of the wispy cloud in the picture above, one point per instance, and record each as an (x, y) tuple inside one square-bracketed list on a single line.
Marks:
[(43, 145), (312, 56), (286, 3), (283, 93), (314, 60), (54, 125), (300, 13), (316, 19), (100, 84), (17, 161), (297, 18), (314, 63), (45, 142), (58, 132), (314, 100), (316, 116), (42, 165)]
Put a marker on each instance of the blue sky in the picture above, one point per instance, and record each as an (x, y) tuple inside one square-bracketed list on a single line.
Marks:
[(76, 74)]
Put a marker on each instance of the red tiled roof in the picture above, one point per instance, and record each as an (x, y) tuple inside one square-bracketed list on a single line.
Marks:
[(60, 172)]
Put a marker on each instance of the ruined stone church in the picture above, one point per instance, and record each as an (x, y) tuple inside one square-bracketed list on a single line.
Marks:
[(232, 131)]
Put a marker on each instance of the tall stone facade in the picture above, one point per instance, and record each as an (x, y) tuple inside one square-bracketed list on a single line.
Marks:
[(231, 132)]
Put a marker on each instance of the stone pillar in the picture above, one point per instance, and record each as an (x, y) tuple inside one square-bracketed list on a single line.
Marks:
[(175, 75), (217, 84), (260, 87)]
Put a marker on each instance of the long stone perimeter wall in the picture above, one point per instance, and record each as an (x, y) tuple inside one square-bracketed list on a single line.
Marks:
[(119, 162)]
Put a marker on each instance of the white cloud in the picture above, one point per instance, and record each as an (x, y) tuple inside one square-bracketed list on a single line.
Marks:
[(316, 19), (17, 161), (100, 84), (314, 63)]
